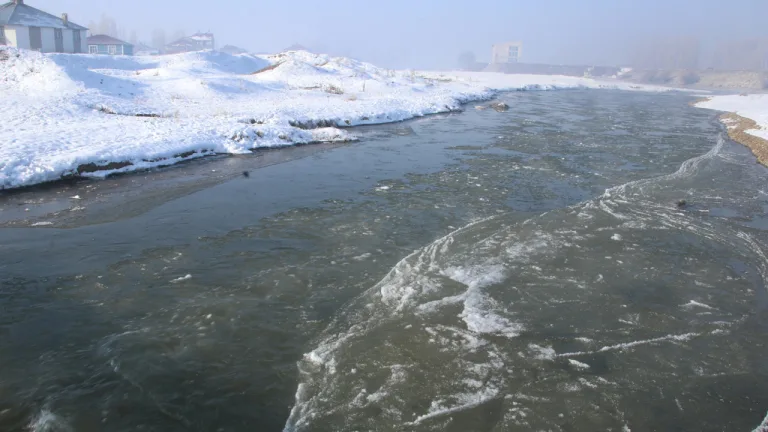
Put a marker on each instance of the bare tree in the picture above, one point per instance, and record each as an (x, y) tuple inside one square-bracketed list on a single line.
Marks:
[(93, 28), (747, 54), (108, 26), (667, 53), (158, 38), (134, 38)]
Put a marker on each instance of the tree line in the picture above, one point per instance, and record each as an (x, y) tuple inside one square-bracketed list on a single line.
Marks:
[(107, 25)]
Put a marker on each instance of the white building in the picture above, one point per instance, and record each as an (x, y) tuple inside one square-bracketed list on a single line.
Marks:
[(23, 26), (508, 52)]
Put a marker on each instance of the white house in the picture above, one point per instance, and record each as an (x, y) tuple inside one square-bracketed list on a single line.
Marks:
[(23, 26)]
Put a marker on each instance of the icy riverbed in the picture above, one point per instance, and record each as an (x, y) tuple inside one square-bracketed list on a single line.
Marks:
[(89, 115)]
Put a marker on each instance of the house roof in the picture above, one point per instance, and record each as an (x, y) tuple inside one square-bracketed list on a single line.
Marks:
[(13, 13), (191, 41), (105, 40), (201, 36), (231, 49), (297, 47), (145, 48)]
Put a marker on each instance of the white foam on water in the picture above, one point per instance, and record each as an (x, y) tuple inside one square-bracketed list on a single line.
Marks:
[(541, 353), (628, 345), (362, 257), (182, 279), (578, 365), (47, 421), (691, 304), (476, 277), (414, 289), (447, 337), (762, 427), (525, 251), (686, 169), (465, 401), (585, 382), (479, 309)]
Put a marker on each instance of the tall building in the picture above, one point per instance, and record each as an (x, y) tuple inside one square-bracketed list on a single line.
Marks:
[(667, 53), (508, 52), (748, 54)]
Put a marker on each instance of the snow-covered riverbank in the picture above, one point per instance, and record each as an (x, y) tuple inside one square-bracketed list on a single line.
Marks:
[(89, 115), (746, 120), (753, 106)]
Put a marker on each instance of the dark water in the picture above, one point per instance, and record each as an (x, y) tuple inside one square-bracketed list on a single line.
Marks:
[(487, 271)]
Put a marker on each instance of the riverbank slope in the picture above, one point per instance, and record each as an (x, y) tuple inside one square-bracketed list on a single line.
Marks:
[(746, 120), (87, 115)]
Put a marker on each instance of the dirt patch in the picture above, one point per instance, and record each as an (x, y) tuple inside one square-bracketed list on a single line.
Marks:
[(92, 167), (111, 166), (267, 69), (332, 89), (312, 124), (106, 110), (737, 127)]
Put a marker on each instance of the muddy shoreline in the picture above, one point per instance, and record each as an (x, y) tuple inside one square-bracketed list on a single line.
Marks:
[(737, 127)]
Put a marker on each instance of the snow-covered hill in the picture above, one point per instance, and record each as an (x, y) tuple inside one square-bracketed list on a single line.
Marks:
[(91, 115)]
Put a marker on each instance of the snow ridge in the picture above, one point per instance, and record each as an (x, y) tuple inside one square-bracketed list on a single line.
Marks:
[(89, 115)]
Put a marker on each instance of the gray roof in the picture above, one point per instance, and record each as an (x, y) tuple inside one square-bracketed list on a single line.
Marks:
[(105, 40), (27, 16)]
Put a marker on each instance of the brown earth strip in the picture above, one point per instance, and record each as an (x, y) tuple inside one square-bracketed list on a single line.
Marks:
[(737, 127)]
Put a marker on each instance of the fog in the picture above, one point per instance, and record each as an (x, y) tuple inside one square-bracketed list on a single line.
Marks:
[(433, 33)]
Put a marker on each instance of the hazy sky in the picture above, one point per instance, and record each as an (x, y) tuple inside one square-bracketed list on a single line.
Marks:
[(432, 33)]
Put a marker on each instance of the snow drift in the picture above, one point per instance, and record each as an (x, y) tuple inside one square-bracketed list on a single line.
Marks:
[(89, 115)]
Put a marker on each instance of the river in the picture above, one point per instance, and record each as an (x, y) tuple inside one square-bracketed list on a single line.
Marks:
[(483, 271)]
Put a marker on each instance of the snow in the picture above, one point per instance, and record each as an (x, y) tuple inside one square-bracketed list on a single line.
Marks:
[(182, 279), (91, 115), (754, 106), (578, 365)]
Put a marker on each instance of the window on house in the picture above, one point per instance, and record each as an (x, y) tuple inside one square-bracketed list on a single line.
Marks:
[(93, 49), (112, 49), (513, 53)]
